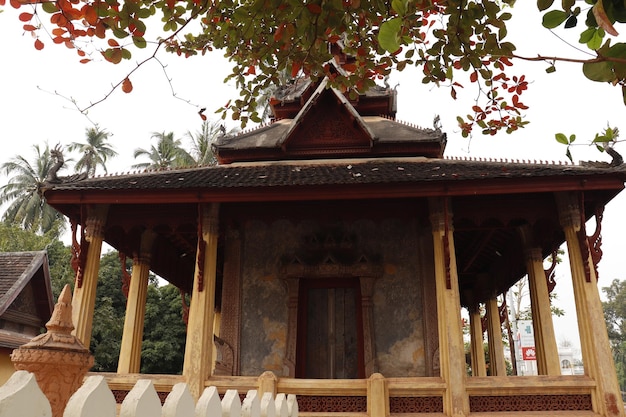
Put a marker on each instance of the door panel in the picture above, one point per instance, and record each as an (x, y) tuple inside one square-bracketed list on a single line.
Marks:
[(330, 328)]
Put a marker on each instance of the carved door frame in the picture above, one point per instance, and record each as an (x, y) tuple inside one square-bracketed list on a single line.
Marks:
[(366, 274)]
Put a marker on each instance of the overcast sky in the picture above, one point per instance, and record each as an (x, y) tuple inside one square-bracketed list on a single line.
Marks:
[(35, 87)]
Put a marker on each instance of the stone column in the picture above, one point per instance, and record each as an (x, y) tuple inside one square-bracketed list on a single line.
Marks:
[(58, 359), (199, 346), (130, 349), (87, 279), (497, 364), (451, 349), (597, 355), (477, 350), (545, 342)]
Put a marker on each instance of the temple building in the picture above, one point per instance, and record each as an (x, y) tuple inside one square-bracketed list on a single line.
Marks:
[(25, 302), (331, 252)]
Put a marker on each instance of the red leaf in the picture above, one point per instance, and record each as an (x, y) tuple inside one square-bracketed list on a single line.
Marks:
[(295, 69), (25, 17), (349, 67), (251, 70), (30, 28), (91, 14), (474, 76), (314, 8), (38, 45), (113, 43), (84, 60), (127, 86), (15, 4)]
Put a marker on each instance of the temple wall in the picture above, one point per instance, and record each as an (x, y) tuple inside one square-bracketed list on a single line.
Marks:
[(398, 327)]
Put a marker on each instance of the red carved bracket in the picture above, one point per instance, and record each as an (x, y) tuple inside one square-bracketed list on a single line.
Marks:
[(582, 239), (595, 241)]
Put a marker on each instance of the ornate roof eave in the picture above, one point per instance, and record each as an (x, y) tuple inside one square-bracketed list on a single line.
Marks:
[(333, 179)]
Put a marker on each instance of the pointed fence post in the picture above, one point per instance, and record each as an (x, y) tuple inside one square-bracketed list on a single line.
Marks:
[(282, 410), (251, 406), (231, 404), (21, 396), (141, 401), (292, 405), (94, 394), (209, 404), (268, 407), (179, 402)]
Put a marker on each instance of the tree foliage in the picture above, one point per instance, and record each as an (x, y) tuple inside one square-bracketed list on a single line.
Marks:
[(95, 150), (266, 37), (615, 317), (168, 153), (27, 207), (164, 329)]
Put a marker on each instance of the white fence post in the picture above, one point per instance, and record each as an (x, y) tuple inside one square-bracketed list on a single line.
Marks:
[(268, 407), (281, 405), (231, 404), (141, 401), (179, 402), (251, 406), (92, 399), (292, 405), (21, 396)]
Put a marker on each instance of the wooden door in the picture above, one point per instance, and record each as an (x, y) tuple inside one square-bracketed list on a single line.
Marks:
[(330, 335)]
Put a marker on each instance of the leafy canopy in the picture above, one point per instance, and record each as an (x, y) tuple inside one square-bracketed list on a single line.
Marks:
[(266, 37)]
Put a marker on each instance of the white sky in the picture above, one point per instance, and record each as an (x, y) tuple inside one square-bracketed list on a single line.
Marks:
[(30, 112)]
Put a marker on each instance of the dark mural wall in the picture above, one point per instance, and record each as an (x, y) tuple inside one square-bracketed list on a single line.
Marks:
[(399, 246)]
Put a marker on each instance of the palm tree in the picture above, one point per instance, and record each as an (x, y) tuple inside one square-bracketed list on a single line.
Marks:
[(95, 150), (203, 139), (168, 153), (27, 207)]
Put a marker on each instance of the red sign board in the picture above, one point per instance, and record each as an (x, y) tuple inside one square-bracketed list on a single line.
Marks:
[(529, 354)]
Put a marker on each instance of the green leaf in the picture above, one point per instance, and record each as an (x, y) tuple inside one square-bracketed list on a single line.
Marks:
[(399, 6), (599, 71), (587, 35), (554, 18), (139, 42), (49, 7), (561, 138), (388, 36), (544, 4), (551, 69)]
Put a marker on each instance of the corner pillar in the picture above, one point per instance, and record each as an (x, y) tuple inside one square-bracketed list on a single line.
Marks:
[(477, 350), (543, 327), (451, 348), (130, 349), (497, 364), (199, 345), (84, 299), (594, 340)]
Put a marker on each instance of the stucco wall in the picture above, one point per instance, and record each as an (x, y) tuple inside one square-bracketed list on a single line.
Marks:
[(397, 312)]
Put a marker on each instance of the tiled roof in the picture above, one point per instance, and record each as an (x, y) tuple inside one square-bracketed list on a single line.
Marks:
[(335, 172), (16, 270)]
